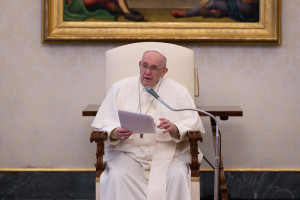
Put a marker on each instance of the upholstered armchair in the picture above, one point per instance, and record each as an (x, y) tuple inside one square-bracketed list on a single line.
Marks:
[(122, 62)]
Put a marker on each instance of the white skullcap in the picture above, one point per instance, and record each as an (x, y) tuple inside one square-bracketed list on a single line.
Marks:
[(158, 51)]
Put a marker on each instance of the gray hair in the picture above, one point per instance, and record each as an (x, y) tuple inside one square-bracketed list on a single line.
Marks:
[(160, 52)]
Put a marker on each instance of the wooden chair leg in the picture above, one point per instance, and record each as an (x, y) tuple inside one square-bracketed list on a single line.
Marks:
[(194, 137), (99, 137)]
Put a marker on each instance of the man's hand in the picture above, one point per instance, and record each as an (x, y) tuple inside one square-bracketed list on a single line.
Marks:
[(121, 133), (167, 125)]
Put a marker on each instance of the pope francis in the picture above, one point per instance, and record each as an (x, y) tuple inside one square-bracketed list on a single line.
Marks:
[(147, 166)]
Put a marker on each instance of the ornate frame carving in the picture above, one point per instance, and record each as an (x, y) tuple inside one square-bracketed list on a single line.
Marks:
[(266, 31)]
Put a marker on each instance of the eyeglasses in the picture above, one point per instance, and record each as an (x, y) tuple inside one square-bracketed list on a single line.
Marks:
[(154, 68)]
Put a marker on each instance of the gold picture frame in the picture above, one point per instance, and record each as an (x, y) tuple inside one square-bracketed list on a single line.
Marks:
[(266, 31)]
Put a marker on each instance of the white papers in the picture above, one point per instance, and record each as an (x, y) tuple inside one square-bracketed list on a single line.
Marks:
[(137, 123)]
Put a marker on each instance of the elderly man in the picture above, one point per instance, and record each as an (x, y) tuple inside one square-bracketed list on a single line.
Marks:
[(148, 166)]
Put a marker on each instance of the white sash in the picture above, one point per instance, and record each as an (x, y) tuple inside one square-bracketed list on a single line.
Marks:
[(157, 185)]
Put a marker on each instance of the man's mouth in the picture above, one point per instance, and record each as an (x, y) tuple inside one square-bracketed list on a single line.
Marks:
[(148, 79)]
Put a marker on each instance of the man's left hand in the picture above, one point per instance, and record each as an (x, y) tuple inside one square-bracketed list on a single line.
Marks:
[(167, 125)]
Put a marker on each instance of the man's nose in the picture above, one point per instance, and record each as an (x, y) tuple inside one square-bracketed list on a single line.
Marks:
[(148, 70)]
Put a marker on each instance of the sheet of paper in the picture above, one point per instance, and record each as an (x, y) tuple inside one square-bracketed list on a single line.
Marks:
[(137, 123)]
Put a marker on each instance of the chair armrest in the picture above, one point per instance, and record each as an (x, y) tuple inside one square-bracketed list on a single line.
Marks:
[(99, 137), (194, 137)]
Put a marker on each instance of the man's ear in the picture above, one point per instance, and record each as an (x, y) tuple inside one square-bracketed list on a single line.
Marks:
[(165, 70)]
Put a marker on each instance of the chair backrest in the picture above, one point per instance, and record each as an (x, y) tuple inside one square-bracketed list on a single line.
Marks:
[(123, 61)]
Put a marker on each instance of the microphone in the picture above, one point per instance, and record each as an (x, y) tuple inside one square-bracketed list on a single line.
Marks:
[(218, 135), (152, 92)]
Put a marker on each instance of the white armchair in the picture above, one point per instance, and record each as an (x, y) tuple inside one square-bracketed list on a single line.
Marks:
[(123, 62)]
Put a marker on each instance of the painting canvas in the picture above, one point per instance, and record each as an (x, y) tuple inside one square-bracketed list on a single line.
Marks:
[(202, 21), (158, 11)]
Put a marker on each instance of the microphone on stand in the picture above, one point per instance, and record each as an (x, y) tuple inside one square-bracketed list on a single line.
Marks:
[(217, 155), (152, 92), (155, 95)]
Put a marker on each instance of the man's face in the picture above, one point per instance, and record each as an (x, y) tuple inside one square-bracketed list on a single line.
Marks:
[(152, 60)]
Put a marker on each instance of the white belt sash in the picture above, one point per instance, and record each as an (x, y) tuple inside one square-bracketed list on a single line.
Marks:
[(157, 185)]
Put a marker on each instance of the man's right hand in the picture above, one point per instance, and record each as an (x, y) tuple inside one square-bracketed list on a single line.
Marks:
[(121, 133)]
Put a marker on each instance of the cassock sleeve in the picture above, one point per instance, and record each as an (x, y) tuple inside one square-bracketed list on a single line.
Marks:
[(188, 120), (107, 118)]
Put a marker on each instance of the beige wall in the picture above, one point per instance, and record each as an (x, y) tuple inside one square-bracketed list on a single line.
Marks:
[(43, 89)]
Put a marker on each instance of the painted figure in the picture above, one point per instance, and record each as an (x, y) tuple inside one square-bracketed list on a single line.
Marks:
[(238, 10), (80, 10)]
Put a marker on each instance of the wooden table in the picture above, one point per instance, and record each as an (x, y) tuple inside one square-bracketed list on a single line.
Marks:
[(224, 112)]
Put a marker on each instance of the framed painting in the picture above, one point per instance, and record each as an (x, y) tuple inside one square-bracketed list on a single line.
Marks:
[(191, 21)]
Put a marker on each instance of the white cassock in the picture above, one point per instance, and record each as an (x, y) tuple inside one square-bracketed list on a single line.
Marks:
[(154, 167)]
